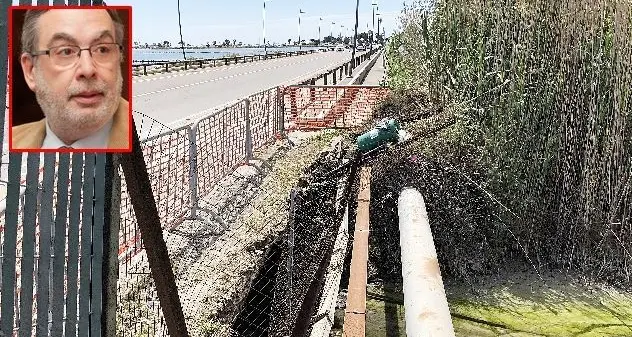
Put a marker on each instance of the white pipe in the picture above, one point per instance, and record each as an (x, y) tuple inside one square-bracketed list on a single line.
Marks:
[(425, 303)]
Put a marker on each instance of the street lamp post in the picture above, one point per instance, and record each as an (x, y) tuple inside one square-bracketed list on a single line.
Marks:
[(184, 54), (265, 50), (340, 33), (355, 40), (320, 20), (373, 28), (379, 20), (331, 31), (299, 28)]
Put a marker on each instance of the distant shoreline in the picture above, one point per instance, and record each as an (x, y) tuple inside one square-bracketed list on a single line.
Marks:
[(220, 47)]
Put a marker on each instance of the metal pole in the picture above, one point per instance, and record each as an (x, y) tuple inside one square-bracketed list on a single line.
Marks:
[(331, 30), (319, 23), (141, 196), (193, 169), (265, 50), (180, 25), (355, 38), (372, 28), (111, 227), (249, 155), (378, 26), (299, 28)]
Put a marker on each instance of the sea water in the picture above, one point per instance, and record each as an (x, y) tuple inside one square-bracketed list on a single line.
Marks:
[(175, 54)]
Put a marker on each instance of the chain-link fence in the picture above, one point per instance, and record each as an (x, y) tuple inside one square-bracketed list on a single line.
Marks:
[(317, 207), (227, 232), (182, 164)]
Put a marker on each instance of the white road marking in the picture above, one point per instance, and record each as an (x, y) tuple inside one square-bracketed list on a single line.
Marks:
[(155, 77), (216, 79), (201, 114), (213, 69)]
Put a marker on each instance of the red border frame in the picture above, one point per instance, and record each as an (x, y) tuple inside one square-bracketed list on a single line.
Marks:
[(129, 78)]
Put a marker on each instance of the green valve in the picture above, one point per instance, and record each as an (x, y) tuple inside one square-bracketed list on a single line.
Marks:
[(387, 130)]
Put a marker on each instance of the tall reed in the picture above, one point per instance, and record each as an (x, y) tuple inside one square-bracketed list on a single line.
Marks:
[(548, 89)]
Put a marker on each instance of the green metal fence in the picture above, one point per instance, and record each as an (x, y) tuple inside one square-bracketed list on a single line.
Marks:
[(53, 228)]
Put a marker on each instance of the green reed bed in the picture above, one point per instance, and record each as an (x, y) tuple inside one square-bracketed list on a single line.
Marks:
[(545, 88)]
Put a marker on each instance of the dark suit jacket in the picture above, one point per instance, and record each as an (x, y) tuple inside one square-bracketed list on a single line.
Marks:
[(31, 135)]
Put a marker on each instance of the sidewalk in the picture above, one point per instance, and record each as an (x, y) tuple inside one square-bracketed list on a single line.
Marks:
[(377, 72)]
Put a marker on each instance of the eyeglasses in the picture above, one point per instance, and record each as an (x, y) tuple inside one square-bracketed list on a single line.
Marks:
[(67, 56)]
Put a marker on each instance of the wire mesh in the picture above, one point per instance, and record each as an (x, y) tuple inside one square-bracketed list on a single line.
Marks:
[(263, 116), (216, 269), (167, 159), (317, 209), (221, 145), (147, 126)]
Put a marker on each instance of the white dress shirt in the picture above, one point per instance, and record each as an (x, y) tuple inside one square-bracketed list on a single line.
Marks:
[(98, 140)]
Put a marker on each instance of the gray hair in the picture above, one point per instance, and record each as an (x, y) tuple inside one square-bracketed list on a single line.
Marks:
[(30, 32)]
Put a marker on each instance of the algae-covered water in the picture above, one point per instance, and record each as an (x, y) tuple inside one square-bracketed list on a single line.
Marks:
[(522, 306)]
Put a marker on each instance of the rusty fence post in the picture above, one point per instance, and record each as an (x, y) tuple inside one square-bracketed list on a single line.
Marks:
[(290, 243), (280, 106), (111, 244), (248, 137), (193, 181)]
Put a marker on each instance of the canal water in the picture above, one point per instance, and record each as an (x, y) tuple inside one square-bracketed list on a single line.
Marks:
[(174, 54)]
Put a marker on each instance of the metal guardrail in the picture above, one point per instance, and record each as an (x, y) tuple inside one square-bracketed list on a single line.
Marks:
[(338, 73), (213, 62)]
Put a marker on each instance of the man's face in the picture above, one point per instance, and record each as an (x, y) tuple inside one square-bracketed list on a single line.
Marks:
[(80, 98)]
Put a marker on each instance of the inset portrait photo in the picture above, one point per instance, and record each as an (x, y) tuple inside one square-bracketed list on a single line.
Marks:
[(70, 79)]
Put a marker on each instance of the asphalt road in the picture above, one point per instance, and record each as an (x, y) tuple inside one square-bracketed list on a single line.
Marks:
[(174, 98), (178, 98)]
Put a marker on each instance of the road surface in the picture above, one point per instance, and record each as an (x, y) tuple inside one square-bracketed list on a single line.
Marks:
[(175, 99), (178, 98)]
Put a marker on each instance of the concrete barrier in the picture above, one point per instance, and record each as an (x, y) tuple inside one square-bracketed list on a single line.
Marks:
[(359, 78)]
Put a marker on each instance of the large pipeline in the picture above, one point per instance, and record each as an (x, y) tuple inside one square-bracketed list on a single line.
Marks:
[(425, 303)]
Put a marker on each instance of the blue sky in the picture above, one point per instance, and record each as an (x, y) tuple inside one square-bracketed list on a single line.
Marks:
[(215, 20)]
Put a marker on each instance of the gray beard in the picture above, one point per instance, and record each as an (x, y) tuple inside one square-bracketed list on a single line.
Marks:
[(67, 123)]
